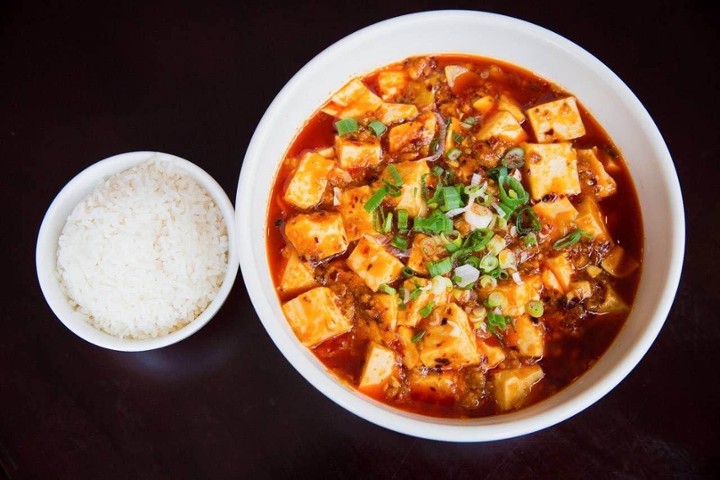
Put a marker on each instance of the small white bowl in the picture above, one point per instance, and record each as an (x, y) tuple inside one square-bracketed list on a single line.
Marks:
[(75, 192), (548, 55)]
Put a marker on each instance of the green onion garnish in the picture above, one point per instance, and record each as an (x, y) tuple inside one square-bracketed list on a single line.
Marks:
[(496, 172), (526, 221), (515, 194), (415, 294), (496, 299), (397, 179), (408, 272), (530, 240), (496, 322), (437, 222), (535, 309), (399, 242), (376, 199), (385, 288), (472, 260), (451, 199), (570, 239), (457, 138), (377, 127), (427, 309), (387, 223), (434, 145), (402, 219), (440, 267), (346, 125), (438, 171), (489, 263), (469, 122), (514, 158), (418, 336), (453, 154)]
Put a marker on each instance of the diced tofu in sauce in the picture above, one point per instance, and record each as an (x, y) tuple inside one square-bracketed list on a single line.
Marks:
[(297, 276), (551, 168), (356, 219), (512, 386), (410, 198), (354, 100), (517, 296), (397, 112), (356, 154), (380, 366), (448, 340), (315, 317), (371, 262), (309, 181), (391, 84), (410, 135), (317, 236), (503, 126), (558, 216), (555, 121), (603, 184)]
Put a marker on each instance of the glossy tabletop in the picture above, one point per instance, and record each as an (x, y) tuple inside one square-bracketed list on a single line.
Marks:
[(81, 82)]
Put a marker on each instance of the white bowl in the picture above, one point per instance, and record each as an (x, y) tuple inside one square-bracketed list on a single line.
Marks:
[(545, 53), (75, 192)]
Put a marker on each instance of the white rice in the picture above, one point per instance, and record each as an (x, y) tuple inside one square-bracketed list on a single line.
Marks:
[(145, 253)]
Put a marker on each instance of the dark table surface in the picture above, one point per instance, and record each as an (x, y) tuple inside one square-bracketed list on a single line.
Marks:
[(79, 83)]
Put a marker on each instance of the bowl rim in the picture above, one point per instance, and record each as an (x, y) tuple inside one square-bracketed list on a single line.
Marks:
[(79, 187), (496, 427)]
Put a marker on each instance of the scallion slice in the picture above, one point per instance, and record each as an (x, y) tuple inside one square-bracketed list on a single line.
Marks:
[(418, 336), (457, 138), (399, 242), (453, 154), (387, 223), (427, 309), (535, 309), (514, 158), (451, 199), (496, 322), (526, 221), (402, 219), (377, 127), (376, 199), (346, 125), (570, 239), (489, 263), (440, 267), (397, 178)]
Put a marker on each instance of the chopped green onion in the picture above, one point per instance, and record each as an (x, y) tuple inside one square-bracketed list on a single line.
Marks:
[(377, 127), (457, 138), (530, 240), (496, 322), (451, 199), (535, 309), (437, 222), (453, 154), (395, 175), (487, 281), (570, 239), (502, 274), (418, 336), (402, 219), (489, 263), (497, 172), (387, 223), (427, 309), (515, 195), (385, 288), (399, 242), (438, 171), (526, 221), (514, 158), (434, 145), (496, 299), (469, 122), (415, 294), (408, 272), (472, 260), (376, 199), (346, 125), (440, 267)]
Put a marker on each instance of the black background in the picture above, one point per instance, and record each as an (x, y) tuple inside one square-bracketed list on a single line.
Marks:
[(80, 82)]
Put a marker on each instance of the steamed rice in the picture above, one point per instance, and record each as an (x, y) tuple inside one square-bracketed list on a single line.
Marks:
[(145, 253)]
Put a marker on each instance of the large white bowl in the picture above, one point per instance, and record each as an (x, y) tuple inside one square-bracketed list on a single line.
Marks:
[(547, 54), (75, 192)]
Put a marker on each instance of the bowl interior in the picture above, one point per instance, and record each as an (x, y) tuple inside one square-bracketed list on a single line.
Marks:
[(75, 192), (550, 56)]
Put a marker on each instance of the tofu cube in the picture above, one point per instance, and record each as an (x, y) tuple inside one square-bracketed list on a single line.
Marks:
[(494, 354), (357, 220), (423, 251), (432, 387), (308, 183), (297, 276), (410, 354), (613, 302), (502, 126), (550, 281), (315, 317), (618, 263), (555, 121), (509, 105), (384, 308), (484, 104), (449, 342), (380, 366), (529, 337), (412, 135), (592, 221), (558, 216), (579, 290), (316, 236), (512, 386), (410, 198), (453, 72), (354, 100), (517, 296), (551, 168), (397, 112), (371, 262), (562, 269), (392, 84), (588, 163), (355, 154)]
